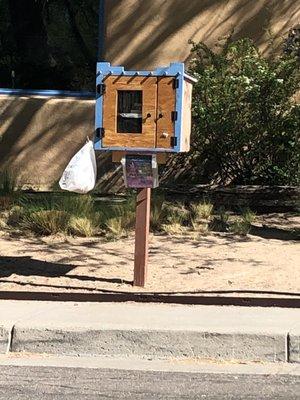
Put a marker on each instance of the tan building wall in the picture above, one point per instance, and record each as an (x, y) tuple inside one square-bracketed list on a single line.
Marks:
[(151, 33), (38, 135)]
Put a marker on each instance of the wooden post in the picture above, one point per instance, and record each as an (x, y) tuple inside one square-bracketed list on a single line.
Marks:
[(142, 227)]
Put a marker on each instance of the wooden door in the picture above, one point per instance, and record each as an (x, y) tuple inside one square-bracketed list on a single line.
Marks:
[(130, 111), (166, 105)]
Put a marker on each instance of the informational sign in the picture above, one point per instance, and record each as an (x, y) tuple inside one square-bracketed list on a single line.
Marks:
[(140, 171)]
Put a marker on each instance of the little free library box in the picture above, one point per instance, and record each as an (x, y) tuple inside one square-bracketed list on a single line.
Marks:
[(143, 111), (140, 117)]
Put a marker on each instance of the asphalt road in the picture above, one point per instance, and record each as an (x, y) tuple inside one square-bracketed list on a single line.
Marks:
[(43, 383)]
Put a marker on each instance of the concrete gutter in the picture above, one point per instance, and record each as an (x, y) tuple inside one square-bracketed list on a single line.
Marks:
[(152, 331)]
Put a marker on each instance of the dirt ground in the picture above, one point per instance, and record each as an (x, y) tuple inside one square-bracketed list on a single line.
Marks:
[(266, 261)]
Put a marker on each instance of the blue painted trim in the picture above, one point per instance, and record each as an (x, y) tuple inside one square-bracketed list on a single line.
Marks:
[(178, 69), (104, 69), (47, 93)]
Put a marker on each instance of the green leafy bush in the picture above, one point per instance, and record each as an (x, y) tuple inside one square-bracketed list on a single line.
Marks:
[(246, 119)]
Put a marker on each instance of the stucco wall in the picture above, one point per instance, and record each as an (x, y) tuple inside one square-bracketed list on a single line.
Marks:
[(39, 135), (149, 33)]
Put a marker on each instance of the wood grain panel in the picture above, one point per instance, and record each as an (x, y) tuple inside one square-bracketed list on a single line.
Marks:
[(145, 139), (166, 104)]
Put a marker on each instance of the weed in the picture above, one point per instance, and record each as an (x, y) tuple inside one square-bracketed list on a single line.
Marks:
[(77, 205), (242, 225), (47, 222), (248, 216), (52, 213), (16, 216), (83, 226), (239, 228), (176, 214), (200, 227), (200, 215), (220, 221), (3, 221), (115, 228), (172, 229), (118, 220), (158, 212), (200, 211)]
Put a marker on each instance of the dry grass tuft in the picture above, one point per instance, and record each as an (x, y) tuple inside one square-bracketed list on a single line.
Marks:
[(82, 226), (201, 211), (16, 216), (172, 229), (47, 222), (242, 225)]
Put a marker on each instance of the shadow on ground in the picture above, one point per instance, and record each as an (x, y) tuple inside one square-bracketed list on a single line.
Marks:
[(27, 266), (266, 232)]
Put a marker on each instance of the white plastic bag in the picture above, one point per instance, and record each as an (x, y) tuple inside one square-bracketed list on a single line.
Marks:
[(81, 172)]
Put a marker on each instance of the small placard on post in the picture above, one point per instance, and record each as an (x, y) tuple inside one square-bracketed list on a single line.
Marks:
[(140, 170)]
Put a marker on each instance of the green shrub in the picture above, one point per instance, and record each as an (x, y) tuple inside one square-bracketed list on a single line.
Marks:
[(3, 220), (220, 222), (83, 226), (53, 213), (242, 225), (77, 205), (115, 228), (119, 219), (202, 210), (200, 215), (47, 222), (16, 216), (292, 42), (248, 216), (176, 214), (246, 120), (158, 212), (171, 229)]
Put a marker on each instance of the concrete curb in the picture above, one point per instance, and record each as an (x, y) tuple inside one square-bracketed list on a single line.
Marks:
[(152, 343), (153, 331), (294, 346), (4, 339)]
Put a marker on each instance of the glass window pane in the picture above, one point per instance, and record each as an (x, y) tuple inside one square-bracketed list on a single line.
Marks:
[(130, 118)]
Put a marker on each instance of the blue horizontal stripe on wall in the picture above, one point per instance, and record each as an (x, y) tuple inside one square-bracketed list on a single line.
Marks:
[(47, 93)]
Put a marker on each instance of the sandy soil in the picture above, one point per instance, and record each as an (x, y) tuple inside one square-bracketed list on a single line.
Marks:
[(267, 261)]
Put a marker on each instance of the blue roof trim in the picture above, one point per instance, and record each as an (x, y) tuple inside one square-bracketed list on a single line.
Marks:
[(47, 93)]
